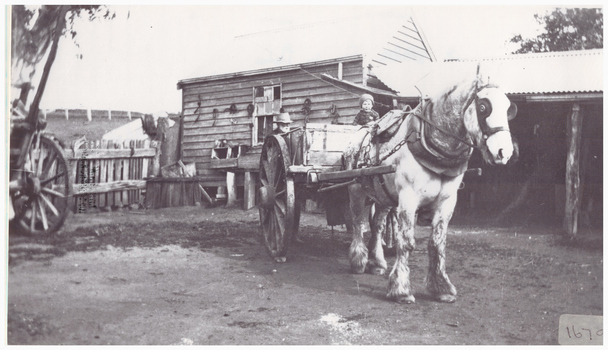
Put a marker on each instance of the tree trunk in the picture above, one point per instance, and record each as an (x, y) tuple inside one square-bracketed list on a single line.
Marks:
[(59, 26)]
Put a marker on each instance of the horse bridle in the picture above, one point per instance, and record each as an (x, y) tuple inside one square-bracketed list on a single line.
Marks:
[(483, 107)]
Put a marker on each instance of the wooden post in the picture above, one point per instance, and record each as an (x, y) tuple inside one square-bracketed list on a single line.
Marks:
[(205, 195), (156, 160), (573, 195), (249, 195), (230, 188)]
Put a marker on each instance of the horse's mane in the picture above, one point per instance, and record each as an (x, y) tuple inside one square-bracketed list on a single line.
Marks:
[(446, 102)]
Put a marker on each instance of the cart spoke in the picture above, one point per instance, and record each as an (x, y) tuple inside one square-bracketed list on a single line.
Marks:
[(40, 149), (266, 174), (33, 217), (49, 204), (45, 222), (48, 163), (280, 208), (279, 177), (280, 230), (46, 181), (268, 234), (52, 192)]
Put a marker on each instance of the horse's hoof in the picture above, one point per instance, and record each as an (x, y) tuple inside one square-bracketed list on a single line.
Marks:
[(409, 299), (357, 270), (446, 298), (377, 271)]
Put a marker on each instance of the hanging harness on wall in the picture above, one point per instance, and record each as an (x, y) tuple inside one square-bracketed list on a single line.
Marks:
[(333, 113), (306, 109), (198, 108), (215, 114), (232, 109)]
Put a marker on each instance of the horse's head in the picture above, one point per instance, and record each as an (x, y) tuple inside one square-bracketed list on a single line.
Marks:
[(461, 95), (488, 118)]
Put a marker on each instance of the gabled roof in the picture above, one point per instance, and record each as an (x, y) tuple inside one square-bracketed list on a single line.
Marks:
[(569, 72), (382, 35)]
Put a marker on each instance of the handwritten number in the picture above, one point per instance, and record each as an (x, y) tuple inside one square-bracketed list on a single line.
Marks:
[(576, 334), (585, 329)]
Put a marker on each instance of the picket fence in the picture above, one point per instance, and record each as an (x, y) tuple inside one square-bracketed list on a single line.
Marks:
[(108, 174)]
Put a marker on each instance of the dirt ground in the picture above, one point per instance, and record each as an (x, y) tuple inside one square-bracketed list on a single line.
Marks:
[(200, 276)]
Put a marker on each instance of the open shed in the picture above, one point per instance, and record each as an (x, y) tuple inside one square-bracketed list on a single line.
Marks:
[(559, 129)]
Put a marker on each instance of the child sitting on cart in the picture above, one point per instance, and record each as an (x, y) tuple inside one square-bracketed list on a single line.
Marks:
[(366, 114)]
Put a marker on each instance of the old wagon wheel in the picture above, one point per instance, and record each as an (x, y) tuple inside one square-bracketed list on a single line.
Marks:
[(277, 197), (40, 190)]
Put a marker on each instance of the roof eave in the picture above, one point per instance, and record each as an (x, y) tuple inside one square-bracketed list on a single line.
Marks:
[(183, 82), (359, 88), (559, 97)]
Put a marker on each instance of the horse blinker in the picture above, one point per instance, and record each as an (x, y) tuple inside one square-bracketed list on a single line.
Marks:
[(484, 108)]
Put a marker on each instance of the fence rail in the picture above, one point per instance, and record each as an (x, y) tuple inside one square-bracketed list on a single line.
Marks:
[(107, 174)]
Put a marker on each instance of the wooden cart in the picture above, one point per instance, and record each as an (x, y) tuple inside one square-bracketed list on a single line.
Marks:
[(39, 183), (297, 166)]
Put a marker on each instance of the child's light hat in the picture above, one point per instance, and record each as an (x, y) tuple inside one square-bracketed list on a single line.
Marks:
[(364, 98)]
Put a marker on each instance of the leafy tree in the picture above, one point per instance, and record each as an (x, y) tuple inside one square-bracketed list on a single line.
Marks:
[(35, 33), (565, 30)]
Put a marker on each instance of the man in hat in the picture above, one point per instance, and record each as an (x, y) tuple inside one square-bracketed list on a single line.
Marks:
[(366, 114), (282, 120)]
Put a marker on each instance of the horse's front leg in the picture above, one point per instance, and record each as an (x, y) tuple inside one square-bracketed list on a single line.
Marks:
[(357, 254), (377, 263), (399, 287), (438, 283)]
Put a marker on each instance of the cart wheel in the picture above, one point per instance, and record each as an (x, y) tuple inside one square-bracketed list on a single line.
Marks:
[(277, 197), (40, 196)]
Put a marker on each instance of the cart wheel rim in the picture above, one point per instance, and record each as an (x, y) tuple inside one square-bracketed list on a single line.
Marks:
[(41, 204), (277, 213)]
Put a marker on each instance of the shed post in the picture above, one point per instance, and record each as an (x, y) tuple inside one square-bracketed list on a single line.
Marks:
[(231, 188), (249, 195), (573, 195)]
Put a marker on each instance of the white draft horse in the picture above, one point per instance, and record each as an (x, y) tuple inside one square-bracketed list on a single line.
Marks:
[(430, 150)]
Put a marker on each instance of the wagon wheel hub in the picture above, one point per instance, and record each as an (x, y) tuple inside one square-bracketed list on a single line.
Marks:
[(33, 185), (267, 195)]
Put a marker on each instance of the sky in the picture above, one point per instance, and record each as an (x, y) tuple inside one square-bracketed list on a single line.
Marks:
[(135, 61)]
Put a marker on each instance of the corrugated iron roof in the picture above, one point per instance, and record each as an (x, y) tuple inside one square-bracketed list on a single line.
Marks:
[(534, 73)]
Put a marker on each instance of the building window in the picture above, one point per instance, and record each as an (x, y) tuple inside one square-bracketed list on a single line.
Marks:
[(267, 103), (264, 127)]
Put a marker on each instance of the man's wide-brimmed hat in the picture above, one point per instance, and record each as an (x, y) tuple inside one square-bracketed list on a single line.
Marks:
[(283, 118)]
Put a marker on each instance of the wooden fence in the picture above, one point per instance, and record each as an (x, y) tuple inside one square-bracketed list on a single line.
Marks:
[(107, 174)]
